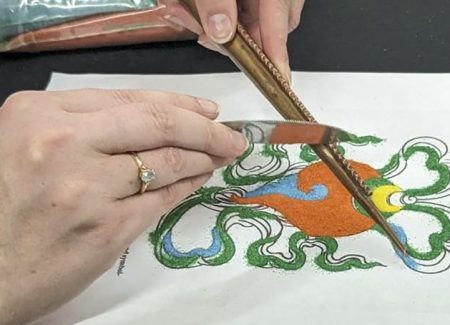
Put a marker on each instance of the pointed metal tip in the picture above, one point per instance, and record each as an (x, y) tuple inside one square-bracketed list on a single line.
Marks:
[(404, 251), (376, 215), (401, 248)]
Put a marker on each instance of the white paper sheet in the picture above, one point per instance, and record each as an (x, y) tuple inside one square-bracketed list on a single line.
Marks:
[(408, 111)]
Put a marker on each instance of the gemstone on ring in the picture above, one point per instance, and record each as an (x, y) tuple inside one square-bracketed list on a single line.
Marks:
[(147, 175)]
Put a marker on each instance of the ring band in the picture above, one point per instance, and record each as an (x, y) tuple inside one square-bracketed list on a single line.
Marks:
[(146, 175)]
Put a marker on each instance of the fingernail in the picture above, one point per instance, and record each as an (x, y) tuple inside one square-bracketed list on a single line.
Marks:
[(210, 108), (240, 141), (220, 28)]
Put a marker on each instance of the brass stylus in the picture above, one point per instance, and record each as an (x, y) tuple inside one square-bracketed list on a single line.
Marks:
[(250, 58)]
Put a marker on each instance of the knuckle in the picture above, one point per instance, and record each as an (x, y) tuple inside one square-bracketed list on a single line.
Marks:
[(183, 101), (134, 96), (174, 159), (211, 138), (126, 96), (46, 142), (171, 196), (161, 118)]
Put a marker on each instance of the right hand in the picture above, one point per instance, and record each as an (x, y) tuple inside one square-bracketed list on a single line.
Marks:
[(268, 21), (68, 203)]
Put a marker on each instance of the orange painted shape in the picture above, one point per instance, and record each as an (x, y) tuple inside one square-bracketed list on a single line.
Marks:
[(334, 216), (297, 133)]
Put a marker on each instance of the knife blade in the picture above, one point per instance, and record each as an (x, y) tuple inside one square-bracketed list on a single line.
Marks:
[(289, 132)]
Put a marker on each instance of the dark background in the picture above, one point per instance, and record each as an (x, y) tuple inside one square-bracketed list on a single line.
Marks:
[(335, 35)]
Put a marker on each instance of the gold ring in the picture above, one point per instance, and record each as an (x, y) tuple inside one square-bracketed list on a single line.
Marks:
[(146, 175)]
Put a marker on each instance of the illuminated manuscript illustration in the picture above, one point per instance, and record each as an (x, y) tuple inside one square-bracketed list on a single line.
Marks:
[(282, 208)]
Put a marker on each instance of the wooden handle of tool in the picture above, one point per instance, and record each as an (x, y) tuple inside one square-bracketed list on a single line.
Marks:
[(250, 58)]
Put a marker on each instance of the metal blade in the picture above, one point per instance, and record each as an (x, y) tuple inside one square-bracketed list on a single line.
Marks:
[(289, 132)]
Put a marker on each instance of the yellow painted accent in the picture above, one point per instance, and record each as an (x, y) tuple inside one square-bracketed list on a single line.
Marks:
[(380, 197)]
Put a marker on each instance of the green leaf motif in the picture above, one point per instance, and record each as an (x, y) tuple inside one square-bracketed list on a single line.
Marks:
[(257, 253), (331, 246)]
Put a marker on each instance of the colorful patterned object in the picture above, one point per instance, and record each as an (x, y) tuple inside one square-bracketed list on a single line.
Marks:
[(328, 201), (298, 204)]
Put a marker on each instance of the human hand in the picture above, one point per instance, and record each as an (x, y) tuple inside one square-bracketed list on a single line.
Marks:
[(68, 203), (268, 21)]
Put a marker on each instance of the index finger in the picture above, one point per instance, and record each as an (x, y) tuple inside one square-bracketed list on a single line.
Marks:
[(92, 100), (147, 126)]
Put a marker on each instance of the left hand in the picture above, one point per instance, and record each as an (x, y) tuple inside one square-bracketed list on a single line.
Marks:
[(268, 21), (68, 203)]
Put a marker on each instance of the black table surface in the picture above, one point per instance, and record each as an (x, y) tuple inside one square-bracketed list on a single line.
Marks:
[(344, 35)]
